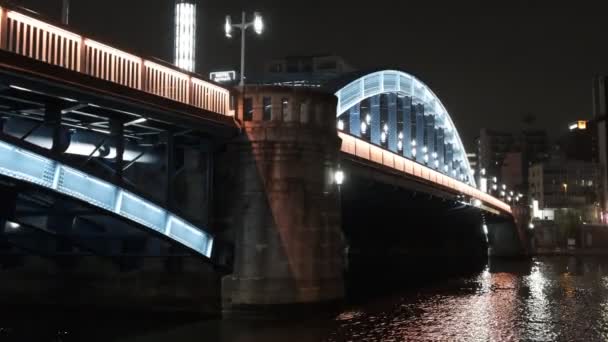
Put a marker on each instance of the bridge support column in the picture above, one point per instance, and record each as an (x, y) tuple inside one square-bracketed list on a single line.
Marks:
[(118, 141), (392, 122), (354, 117), (407, 127), (52, 118), (419, 110), (504, 240), (375, 129), (277, 201)]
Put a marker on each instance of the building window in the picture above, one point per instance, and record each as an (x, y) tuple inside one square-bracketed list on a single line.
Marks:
[(284, 107), (267, 108), (248, 114)]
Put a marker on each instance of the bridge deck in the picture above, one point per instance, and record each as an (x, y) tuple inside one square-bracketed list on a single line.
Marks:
[(361, 149), (55, 45)]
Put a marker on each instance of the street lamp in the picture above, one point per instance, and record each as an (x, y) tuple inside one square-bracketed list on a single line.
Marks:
[(65, 12), (258, 27)]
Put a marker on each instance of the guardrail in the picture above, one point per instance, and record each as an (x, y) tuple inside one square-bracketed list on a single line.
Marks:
[(33, 38), (365, 150)]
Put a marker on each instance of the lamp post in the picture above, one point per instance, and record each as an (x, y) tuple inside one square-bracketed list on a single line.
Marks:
[(65, 12), (258, 27)]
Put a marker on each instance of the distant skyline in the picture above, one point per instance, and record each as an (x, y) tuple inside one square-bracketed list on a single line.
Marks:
[(490, 64)]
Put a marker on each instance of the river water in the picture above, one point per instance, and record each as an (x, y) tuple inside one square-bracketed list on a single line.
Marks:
[(544, 299)]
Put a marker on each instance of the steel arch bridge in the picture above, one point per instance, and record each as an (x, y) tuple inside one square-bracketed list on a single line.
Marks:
[(392, 118)]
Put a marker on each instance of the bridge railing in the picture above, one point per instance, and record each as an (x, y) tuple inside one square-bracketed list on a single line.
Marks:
[(33, 38), (363, 149)]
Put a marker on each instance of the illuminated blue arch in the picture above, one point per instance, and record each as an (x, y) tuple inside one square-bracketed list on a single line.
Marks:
[(403, 84), (27, 166)]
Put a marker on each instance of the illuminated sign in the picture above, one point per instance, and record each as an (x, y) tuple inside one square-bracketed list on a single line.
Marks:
[(222, 76)]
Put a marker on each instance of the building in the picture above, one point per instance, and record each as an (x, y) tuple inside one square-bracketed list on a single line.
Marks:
[(600, 109), (511, 170), (310, 71), (579, 142), (492, 145), (560, 184), (508, 156), (473, 160)]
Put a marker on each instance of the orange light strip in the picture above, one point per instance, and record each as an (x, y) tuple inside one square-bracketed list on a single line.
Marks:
[(108, 49), (42, 25), (365, 150), (164, 69)]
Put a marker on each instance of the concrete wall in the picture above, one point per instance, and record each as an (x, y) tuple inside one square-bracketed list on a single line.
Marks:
[(276, 201)]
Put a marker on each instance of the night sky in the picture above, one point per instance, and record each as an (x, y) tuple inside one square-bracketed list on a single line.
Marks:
[(490, 64)]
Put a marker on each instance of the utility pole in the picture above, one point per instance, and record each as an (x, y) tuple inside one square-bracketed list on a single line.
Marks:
[(65, 12)]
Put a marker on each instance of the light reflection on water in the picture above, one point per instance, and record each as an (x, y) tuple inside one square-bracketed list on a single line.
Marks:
[(549, 299)]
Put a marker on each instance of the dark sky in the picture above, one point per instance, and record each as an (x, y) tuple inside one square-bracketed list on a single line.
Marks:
[(490, 62)]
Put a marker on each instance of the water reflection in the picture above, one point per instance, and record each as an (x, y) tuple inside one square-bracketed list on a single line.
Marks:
[(548, 299)]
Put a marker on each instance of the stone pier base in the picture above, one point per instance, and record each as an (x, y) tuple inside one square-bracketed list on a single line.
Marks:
[(279, 205)]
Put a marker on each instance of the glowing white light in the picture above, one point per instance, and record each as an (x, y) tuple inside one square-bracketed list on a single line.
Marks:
[(485, 229), (339, 177), (483, 172), (424, 149), (258, 23), (531, 225), (400, 145), (368, 119), (494, 187), (185, 35), (477, 203), (12, 225), (340, 124), (426, 158), (136, 121), (573, 127), (511, 193), (383, 137), (502, 193), (508, 198), (228, 27), (400, 135), (504, 187), (414, 143), (436, 163), (445, 168), (494, 179), (363, 128), (413, 152), (385, 128), (434, 155)]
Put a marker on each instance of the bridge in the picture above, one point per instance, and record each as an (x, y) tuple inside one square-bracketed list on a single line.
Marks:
[(110, 154)]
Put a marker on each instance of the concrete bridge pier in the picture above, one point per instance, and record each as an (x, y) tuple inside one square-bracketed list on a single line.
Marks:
[(504, 239), (277, 202)]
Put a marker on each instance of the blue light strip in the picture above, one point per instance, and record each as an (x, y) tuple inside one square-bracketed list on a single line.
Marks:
[(27, 166)]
